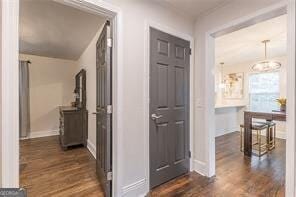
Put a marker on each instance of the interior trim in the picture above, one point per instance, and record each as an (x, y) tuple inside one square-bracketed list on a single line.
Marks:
[(9, 95), (9, 89), (126, 190), (39, 134), (92, 148), (200, 167)]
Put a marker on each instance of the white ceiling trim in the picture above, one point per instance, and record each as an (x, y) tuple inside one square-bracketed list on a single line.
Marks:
[(195, 4), (213, 9)]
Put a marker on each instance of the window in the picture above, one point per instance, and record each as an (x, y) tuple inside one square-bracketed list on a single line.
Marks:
[(264, 89)]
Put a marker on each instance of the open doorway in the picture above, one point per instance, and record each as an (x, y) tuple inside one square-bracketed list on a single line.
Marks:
[(61, 48), (251, 80)]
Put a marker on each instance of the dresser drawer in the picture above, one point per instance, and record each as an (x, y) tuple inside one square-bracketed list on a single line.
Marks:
[(72, 127)]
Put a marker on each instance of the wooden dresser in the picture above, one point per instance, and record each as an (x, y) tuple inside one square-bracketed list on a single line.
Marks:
[(74, 120), (73, 126)]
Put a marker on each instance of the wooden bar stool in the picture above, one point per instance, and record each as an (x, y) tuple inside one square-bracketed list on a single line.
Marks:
[(258, 145)]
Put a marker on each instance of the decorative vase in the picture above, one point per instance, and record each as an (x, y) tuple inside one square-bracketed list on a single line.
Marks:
[(283, 107)]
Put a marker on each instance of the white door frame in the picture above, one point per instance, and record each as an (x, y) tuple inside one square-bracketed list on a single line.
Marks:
[(9, 94), (146, 96), (9, 80), (261, 15)]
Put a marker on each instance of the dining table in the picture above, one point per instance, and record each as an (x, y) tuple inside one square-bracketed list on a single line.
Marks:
[(248, 119)]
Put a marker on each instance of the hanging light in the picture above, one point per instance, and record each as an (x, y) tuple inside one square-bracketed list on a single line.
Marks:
[(266, 65), (222, 84)]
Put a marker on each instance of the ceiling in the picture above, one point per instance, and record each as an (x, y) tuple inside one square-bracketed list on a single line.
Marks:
[(195, 8), (245, 45), (51, 29)]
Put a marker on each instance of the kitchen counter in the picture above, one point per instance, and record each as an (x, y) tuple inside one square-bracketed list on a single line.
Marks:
[(219, 106)]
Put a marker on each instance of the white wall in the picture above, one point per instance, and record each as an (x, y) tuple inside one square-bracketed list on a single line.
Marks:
[(87, 61), (246, 68), (133, 166), (227, 120), (52, 82), (219, 17)]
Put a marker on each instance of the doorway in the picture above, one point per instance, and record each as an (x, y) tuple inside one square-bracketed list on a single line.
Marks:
[(62, 93), (258, 17), (169, 128), (11, 162)]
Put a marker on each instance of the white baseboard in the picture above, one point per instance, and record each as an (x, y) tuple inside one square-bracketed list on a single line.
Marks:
[(91, 147), (226, 131), (38, 134), (199, 167), (135, 189)]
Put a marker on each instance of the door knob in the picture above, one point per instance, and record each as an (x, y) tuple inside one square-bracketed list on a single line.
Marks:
[(155, 117)]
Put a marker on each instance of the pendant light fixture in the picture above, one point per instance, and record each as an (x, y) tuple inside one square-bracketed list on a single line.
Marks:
[(266, 65), (222, 84)]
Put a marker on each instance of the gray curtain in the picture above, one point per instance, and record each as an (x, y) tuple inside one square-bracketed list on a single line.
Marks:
[(24, 98)]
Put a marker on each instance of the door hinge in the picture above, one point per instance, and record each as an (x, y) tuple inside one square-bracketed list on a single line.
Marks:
[(109, 109), (109, 42), (189, 153), (190, 51), (109, 176)]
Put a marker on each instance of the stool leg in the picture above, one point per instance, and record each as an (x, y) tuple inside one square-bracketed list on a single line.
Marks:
[(241, 139), (257, 137), (268, 137), (272, 138), (259, 142), (274, 133)]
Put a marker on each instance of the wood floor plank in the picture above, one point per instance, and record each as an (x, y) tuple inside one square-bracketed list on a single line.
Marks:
[(236, 175), (47, 170)]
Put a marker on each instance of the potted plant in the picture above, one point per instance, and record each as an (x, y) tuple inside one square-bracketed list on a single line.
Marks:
[(283, 103)]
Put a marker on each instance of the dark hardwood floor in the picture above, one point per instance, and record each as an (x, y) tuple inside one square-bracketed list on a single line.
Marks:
[(46, 170), (236, 175)]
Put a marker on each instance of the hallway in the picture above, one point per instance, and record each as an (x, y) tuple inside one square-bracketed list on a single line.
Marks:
[(46, 170)]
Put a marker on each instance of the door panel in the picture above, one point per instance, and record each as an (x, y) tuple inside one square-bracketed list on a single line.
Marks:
[(162, 146), (179, 87), (179, 141), (162, 86), (104, 118), (169, 107)]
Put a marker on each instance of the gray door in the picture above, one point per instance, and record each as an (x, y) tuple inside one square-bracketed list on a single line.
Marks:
[(169, 107), (103, 111)]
